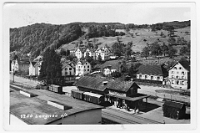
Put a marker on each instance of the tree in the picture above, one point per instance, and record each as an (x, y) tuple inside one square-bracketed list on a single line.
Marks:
[(145, 52), (116, 74), (99, 58), (171, 51), (185, 51), (63, 52), (117, 49), (164, 49), (133, 69), (155, 49), (171, 41), (51, 68)]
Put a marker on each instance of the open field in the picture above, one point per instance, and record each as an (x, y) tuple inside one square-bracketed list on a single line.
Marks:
[(140, 38)]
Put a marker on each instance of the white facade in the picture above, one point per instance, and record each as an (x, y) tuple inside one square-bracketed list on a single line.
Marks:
[(178, 77), (150, 77), (108, 71), (83, 68), (103, 52), (68, 70), (89, 52), (78, 53), (15, 65), (31, 70)]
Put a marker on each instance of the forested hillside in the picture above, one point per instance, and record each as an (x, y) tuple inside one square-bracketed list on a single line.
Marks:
[(34, 39)]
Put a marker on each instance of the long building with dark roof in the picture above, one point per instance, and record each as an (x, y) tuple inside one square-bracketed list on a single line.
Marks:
[(120, 93), (150, 72)]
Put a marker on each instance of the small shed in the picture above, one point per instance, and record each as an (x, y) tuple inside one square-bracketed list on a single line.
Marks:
[(175, 110)]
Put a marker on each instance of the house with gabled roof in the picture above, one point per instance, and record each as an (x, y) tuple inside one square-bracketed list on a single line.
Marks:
[(79, 52), (68, 68), (119, 93), (82, 67), (179, 75), (32, 71), (103, 52), (152, 72)]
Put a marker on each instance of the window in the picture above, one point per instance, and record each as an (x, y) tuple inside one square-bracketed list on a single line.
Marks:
[(182, 82), (88, 66), (172, 81), (151, 77), (70, 69), (177, 77), (158, 78), (180, 68), (175, 68), (145, 76), (88, 69), (177, 82), (140, 76), (182, 73), (172, 76), (172, 72), (183, 77)]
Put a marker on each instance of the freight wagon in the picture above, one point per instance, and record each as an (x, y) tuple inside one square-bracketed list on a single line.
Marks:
[(87, 96), (56, 88), (77, 94), (93, 98)]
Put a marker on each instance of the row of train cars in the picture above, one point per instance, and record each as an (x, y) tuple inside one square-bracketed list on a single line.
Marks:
[(81, 95)]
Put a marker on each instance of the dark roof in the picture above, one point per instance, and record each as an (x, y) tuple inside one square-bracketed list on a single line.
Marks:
[(95, 83), (150, 70), (33, 63), (123, 86), (185, 64), (173, 104), (20, 104)]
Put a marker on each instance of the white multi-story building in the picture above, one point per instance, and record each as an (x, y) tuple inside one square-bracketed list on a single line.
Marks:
[(179, 75), (103, 52), (83, 67), (15, 65), (78, 53), (89, 52)]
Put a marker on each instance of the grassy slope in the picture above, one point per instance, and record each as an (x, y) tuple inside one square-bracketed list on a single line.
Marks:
[(138, 41)]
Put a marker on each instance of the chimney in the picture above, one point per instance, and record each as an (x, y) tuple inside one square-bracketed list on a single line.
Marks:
[(105, 82)]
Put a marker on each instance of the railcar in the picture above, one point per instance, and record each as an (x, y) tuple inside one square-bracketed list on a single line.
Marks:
[(77, 94), (93, 98)]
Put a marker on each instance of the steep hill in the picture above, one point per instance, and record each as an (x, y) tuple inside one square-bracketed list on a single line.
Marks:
[(34, 39)]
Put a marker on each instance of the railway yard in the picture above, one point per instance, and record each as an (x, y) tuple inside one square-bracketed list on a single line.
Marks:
[(150, 113)]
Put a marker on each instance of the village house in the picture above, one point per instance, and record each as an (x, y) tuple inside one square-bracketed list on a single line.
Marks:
[(89, 52), (82, 67), (103, 52), (179, 75), (151, 73), (34, 68), (68, 69), (15, 65), (79, 53)]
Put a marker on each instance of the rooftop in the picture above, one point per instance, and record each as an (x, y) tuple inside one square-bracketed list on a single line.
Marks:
[(150, 70), (97, 83), (37, 106)]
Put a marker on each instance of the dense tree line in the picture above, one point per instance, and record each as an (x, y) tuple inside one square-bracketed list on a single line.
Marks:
[(51, 68)]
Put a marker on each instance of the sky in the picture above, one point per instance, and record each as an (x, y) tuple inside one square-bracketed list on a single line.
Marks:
[(18, 15)]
